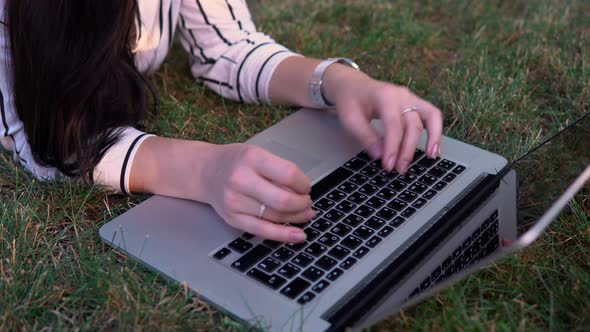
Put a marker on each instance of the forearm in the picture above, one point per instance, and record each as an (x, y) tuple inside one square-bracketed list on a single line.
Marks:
[(171, 167)]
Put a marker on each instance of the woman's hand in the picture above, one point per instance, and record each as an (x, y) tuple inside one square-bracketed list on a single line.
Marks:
[(359, 99), (242, 178)]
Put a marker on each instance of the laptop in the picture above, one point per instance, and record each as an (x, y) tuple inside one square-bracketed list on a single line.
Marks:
[(380, 241)]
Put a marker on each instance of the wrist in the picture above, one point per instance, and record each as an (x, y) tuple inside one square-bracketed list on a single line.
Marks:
[(338, 80)]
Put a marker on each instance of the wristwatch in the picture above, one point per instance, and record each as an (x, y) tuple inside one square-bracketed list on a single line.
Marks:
[(315, 84)]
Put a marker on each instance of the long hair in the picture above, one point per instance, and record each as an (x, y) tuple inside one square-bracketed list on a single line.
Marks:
[(74, 77)]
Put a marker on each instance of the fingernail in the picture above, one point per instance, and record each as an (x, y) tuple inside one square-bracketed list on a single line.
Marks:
[(438, 150), (434, 151), (311, 214), (391, 163), (375, 150), (403, 166), (298, 236)]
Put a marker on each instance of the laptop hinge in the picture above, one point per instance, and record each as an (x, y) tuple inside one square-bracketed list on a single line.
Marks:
[(388, 277)]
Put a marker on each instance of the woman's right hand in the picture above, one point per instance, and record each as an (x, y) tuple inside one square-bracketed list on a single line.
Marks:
[(242, 178)]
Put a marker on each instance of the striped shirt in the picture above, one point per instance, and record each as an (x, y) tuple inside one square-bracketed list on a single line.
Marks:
[(225, 51)]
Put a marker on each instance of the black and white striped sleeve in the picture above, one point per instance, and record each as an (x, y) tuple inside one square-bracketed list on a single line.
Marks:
[(227, 53)]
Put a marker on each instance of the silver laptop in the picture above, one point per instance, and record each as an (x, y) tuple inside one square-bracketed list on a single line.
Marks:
[(380, 241)]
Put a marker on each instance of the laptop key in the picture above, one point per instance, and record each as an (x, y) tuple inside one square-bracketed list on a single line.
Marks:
[(417, 169), (219, 255), (363, 232), (397, 221), (305, 298), (419, 203), (375, 223), (351, 242), (315, 249), (347, 263), (364, 211), (313, 273), (247, 236), (379, 181), (446, 164), (333, 216), (386, 213), (428, 162), (357, 198), (324, 204), (273, 281), (376, 163), (364, 156), (240, 245), (321, 224), (385, 231), (353, 220), (283, 254), (335, 274), (325, 263), (358, 179), (271, 243), (347, 187), (373, 242), (459, 169), (418, 187), (407, 196), (329, 182), (288, 270), (355, 164), (427, 179), (339, 252), (430, 194), (269, 264), (302, 259), (361, 252), (439, 185), (375, 202), (408, 212), (397, 205), (311, 233), (449, 177), (251, 257), (437, 172), (320, 286), (390, 175), (336, 195), (368, 189), (369, 171), (297, 246), (341, 230), (386, 194), (295, 287), (408, 178), (328, 239), (419, 153), (397, 185)]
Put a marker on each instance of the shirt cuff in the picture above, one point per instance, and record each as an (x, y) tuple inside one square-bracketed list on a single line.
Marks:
[(115, 167)]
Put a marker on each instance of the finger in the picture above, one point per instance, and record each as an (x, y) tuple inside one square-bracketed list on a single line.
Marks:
[(252, 207), (412, 131), (392, 125), (433, 122), (282, 172), (273, 196), (268, 230), (356, 122)]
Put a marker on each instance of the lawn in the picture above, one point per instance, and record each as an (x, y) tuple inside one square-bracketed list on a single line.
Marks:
[(505, 73)]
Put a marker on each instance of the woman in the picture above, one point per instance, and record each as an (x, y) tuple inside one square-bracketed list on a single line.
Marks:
[(72, 90)]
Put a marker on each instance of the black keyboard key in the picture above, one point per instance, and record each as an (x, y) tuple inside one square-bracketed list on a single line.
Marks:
[(361, 252), (407, 196), (408, 178), (419, 203), (295, 287), (316, 249), (419, 153), (368, 189), (251, 257), (339, 252), (341, 230), (324, 204), (288, 270), (351, 242), (385, 231), (358, 179), (335, 274), (283, 254), (363, 232), (379, 181), (386, 194), (408, 212), (428, 162), (273, 281), (305, 298), (328, 239), (417, 169), (269, 264), (439, 185), (302, 259), (494, 215), (375, 223), (240, 245), (418, 187), (357, 198), (364, 156), (353, 220), (347, 187), (297, 246), (389, 175), (219, 255), (449, 177), (375, 202), (373, 242), (247, 236), (446, 263), (369, 171), (459, 169), (334, 215), (348, 263), (429, 194), (313, 273), (336, 195), (397, 185), (311, 233), (364, 211), (437, 172), (386, 213), (427, 179), (318, 214), (321, 225), (425, 284), (327, 183), (397, 221), (325, 263), (376, 163), (271, 243), (320, 286), (355, 164), (446, 164), (397, 205)]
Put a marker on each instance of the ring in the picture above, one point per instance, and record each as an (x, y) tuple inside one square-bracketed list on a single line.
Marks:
[(410, 109), (261, 212)]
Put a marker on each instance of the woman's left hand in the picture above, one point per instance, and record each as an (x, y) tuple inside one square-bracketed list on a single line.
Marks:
[(359, 99)]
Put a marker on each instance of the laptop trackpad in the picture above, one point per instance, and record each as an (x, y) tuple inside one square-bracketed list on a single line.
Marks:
[(301, 159)]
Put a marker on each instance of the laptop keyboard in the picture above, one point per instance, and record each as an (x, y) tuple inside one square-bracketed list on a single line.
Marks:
[(358, 205), (483, 241)]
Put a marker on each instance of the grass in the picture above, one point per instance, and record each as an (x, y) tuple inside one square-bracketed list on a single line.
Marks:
[(505, 73)]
